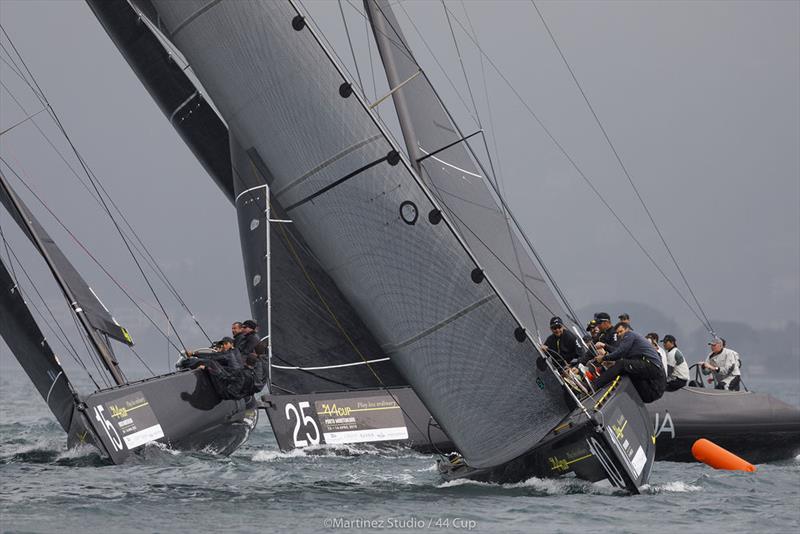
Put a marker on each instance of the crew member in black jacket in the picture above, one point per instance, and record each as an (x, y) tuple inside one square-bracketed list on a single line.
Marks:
[(636, 357), (246, 344), (562, 344), (608, 338)]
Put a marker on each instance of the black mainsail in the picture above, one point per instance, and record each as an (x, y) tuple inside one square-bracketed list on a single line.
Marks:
[(26, 341)]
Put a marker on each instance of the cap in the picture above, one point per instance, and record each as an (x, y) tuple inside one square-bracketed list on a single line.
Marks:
[(225, 339), (590, 325), (624, 317), (556, 321), (669, 337), (653, 336), (249, 324), (602, 316), (715, 341)]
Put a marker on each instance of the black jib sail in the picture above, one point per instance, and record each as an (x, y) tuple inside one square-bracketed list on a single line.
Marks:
[(373, 227), (33, 352), (86, 301)]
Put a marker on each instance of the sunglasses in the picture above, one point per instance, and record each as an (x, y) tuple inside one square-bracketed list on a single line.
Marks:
[(557, 327)]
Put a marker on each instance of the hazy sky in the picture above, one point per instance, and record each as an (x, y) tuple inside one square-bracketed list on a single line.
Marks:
[(701, 99)]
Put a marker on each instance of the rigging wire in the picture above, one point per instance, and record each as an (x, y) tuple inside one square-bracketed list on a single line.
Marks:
[(707, 324), (63, 339), (500, 198), (580, 172), (88, 253), (44, 101), (498, 175), (371, 65), (488, 154), (463, 68), (350, 42), (141, 248)]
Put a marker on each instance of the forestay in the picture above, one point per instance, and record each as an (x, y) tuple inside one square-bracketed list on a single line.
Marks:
[(365, 218)]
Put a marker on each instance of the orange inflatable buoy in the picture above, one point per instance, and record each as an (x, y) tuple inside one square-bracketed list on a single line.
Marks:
[(715, 456)]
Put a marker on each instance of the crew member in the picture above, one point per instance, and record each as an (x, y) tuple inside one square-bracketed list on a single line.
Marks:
[(677, 368), (242, 382), (594, 331), (625, 318), (653, 338), (247, 343), (723, 364), (607, 339), (636, 357), (236, 333), (562, 344), (223, 354)]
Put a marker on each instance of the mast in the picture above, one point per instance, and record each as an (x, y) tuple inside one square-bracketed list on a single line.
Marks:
[(102, 349), (381, 32)]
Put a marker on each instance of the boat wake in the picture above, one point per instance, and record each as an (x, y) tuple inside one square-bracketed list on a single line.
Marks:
[(539, 487), (677, 486), (338, 451)]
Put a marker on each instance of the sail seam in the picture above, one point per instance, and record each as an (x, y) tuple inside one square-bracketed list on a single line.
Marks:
[(325, 163), (438, 326), (193, 16), (338, 182)]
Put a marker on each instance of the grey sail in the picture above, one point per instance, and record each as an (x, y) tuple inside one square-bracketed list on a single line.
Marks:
[(363, 214), (85, 299), (314, 328), (310, 314), (459, 184), (33, 352)]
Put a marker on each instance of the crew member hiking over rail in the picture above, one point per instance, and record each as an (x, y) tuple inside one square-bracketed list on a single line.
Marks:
[(636, 357)]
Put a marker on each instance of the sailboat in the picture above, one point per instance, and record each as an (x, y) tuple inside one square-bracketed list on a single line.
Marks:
[(181, 409), (395, 265)]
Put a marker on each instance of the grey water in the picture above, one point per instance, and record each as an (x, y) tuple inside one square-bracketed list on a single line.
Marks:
[(47, 488)]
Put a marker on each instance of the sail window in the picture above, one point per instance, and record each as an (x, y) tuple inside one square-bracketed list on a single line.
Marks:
[(519, 334), (409, 212)]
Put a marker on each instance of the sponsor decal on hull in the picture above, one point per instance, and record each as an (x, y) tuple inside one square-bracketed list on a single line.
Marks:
[(128, 422)]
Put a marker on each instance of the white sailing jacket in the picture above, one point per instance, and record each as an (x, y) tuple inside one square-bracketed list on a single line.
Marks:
[(728, 363), (676, 362)]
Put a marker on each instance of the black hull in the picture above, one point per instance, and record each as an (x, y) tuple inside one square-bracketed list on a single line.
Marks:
[(575, 446), (755, 426), (355, 417), (181, 410), (616, 444)]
